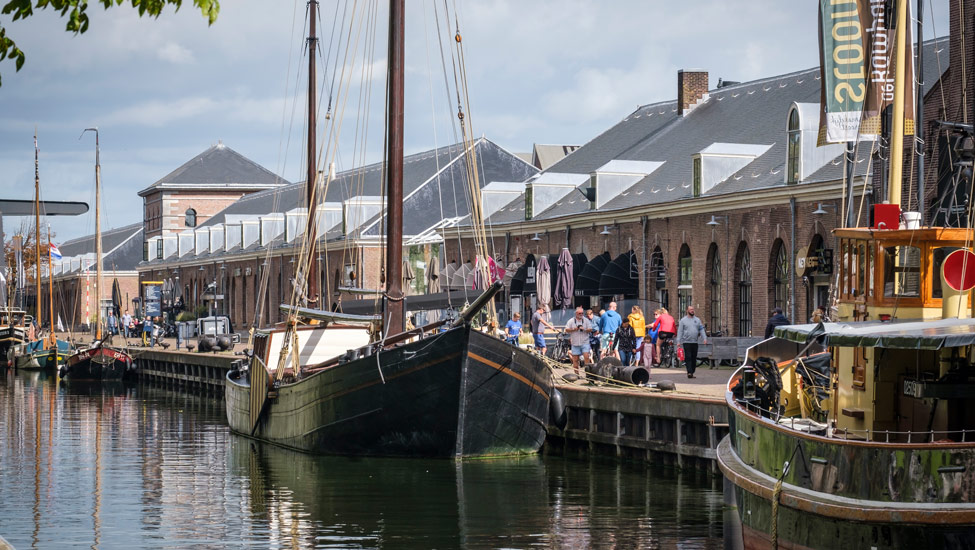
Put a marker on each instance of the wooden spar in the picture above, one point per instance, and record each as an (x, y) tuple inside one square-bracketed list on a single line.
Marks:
[(897, 124), (311, 181), (394, 173), (98, 236), (50, 290), (37, 232)]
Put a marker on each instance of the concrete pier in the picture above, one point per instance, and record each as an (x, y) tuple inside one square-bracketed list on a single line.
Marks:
[(681, 427)]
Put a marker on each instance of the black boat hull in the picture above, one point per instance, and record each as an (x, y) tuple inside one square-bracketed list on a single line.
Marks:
[(460, 393), (101, 363)]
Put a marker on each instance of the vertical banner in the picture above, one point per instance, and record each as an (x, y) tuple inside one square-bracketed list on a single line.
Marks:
[(856, 53)]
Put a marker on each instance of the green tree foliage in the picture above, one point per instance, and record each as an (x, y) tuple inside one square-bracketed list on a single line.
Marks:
[(76, 13)]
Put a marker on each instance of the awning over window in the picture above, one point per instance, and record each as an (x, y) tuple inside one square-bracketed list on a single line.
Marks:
[(587, 281), (621, 276), (524, 280)]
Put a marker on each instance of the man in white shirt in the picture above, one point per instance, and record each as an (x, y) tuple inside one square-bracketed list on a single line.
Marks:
[(126, 321), (579, 329)]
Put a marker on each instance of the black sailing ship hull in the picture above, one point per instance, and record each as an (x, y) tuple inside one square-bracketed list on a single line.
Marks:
[(456, 394), (96, 364)]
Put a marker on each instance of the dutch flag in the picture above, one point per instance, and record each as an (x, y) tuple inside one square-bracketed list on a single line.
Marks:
[(55, 253)]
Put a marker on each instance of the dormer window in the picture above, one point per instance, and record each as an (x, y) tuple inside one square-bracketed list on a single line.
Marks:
[(696, 166), (795, 147), (190, 217)]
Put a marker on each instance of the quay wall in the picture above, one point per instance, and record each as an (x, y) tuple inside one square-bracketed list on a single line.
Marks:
[(682, 430)]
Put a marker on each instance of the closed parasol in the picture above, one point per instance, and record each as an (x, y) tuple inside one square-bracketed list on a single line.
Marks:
[(408, 277), (544, 283), (564, 280), (116, 297), (433, 275)]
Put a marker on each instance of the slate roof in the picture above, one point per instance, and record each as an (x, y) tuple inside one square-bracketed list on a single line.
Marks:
[(218, 165), (429, 178), (751, 112), (122, 247)]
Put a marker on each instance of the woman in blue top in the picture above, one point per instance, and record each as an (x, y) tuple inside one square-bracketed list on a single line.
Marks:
[(513, 329)]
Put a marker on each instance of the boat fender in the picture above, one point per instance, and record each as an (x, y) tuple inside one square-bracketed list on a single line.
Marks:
[(556, 404), (666, 385), (63, 371)]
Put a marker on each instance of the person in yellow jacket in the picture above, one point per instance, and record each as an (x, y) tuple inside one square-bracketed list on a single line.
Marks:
[(639, 325)]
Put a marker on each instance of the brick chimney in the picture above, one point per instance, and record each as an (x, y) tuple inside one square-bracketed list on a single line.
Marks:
[(692, 86)]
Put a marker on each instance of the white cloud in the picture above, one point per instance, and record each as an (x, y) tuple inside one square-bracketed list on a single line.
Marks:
[(176, 54)]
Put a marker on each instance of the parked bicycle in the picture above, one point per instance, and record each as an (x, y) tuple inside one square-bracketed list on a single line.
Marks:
[(562, 348), (668, 354)]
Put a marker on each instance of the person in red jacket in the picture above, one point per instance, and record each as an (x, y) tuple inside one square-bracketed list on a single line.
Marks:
[(664, 325)]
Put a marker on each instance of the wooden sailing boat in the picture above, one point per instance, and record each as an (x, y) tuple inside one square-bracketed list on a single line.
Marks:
[(48, 352), (861, 433), (424, 392), (101, 360)]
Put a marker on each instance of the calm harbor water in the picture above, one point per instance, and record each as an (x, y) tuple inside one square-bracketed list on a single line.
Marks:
[(145, 467)]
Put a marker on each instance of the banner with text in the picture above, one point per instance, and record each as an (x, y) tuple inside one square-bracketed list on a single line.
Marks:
[(857, 53)]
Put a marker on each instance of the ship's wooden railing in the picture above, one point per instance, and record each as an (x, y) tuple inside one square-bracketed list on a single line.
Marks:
[(915, 437)]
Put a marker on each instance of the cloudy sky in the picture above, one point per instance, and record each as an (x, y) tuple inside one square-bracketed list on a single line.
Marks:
[(162, 91)]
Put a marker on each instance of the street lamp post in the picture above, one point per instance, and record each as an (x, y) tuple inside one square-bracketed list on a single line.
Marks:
[(713, 224)]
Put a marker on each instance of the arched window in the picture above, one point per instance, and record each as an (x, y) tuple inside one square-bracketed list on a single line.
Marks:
[(658, 278), (780, 275), (794, 148), (684, 279), (743, 268), (714, 287), (190, 217)]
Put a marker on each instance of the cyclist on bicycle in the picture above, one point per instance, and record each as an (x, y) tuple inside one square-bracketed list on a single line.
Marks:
[(665, 326)]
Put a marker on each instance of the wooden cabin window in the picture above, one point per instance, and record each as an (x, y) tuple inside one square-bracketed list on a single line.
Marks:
[(844, 278), (859, 368), (862, 267), (902, 271), (938, 258)]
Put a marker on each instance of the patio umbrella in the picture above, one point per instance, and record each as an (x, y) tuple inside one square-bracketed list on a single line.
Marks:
[(408, 277), (564, 280), (544, 283), (433, 275)]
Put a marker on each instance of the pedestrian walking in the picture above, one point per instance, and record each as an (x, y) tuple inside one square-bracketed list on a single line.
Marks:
[(609, 323), (639, 325), (625, 342), (689, 332), (538, 325), (594, 335), (126, 324), (579, 329), (112, 323), (778, 319)]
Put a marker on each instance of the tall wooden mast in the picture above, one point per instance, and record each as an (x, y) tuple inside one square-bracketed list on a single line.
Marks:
[(37, 233), (50, 288), (897, 124), (394, 172), (98, 236), (311, 180)]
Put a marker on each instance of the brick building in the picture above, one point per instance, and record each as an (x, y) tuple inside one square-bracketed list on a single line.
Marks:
[(715, 199), (75, 301), (242, 260), (206, 184)]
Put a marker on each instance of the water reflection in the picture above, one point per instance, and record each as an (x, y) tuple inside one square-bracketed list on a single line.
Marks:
[(121, 466)]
